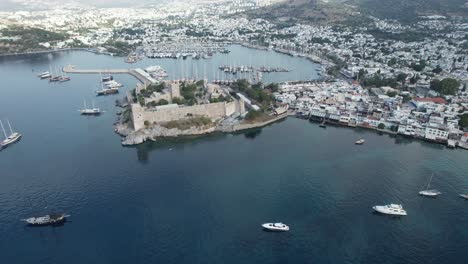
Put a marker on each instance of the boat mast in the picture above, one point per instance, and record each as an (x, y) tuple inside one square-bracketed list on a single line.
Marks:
[(3, 128), (429, 183), (11, 130), (84, 103)]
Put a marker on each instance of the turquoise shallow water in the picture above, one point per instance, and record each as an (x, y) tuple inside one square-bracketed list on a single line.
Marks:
[(204, 200)]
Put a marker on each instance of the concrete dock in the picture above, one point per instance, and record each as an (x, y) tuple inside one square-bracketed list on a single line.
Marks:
[(137, 73)]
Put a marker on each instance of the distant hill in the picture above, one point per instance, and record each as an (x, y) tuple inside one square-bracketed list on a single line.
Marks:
[(329, 11), (315, 11), (408, 10)]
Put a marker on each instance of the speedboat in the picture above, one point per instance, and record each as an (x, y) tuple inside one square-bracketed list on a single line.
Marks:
[(90, 111), (52, 219), (430, 193), (464, 196), (276, 227), (360, 142), (391, 209)]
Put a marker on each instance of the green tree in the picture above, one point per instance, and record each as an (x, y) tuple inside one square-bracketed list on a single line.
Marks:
[(163, 102), (381, 126), (463, 121), (392, 62), (437, 69), (401, 77), (447, 86), (178, 100), (146, 123)]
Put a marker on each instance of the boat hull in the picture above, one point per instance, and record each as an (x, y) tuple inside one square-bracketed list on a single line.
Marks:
[(55, 220), (7, 142), (270, 228), (430, 194)]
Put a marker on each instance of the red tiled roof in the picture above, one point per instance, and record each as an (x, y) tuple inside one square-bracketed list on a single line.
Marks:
[(437, 100)]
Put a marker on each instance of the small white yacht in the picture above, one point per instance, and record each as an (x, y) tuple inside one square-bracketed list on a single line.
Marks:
[(429, 192), (464, 196), (90, 111), (52, 219), (44, 75), (391, 209), (12, 138), (276, 227), (360, 142)]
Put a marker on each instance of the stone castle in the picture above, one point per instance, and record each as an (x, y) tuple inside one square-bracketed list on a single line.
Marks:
[(171, 112)]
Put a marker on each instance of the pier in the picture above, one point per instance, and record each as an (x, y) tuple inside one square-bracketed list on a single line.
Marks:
[(139, 74)]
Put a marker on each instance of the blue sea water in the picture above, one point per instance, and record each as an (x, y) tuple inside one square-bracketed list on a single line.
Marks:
[(203, 200)]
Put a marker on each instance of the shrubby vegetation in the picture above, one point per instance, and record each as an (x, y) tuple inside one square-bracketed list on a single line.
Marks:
[(150, 89), (30, 39), (118, 48), (254, 92), (184, 124)]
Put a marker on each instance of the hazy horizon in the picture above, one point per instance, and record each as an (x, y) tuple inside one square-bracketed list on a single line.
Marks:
[(6, 5)]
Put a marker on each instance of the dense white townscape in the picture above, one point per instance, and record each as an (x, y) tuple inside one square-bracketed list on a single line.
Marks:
[(402, 79)]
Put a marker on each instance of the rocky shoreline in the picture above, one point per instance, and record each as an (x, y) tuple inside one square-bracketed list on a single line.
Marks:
[(131, 137)]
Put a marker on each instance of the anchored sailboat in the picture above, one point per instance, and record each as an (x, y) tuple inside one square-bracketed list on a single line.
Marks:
[(12, 138), (429, 192), (89, 111)]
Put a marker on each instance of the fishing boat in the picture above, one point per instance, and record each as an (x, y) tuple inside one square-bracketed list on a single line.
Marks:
[(391, 209), (50, 219), (465, 196), (275, 227), (89, 111), (360, 142), (12, 138), (429, 192)]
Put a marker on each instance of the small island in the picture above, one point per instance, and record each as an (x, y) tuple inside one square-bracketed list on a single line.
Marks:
[(194, 107)]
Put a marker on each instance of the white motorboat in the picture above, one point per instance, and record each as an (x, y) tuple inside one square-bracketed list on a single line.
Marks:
[(429, 192), (391, 209), (113, 84), (12, 138), (276, 227), (106, 91), (360, 142), (44, 75), (90, 111), (464, 196)]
